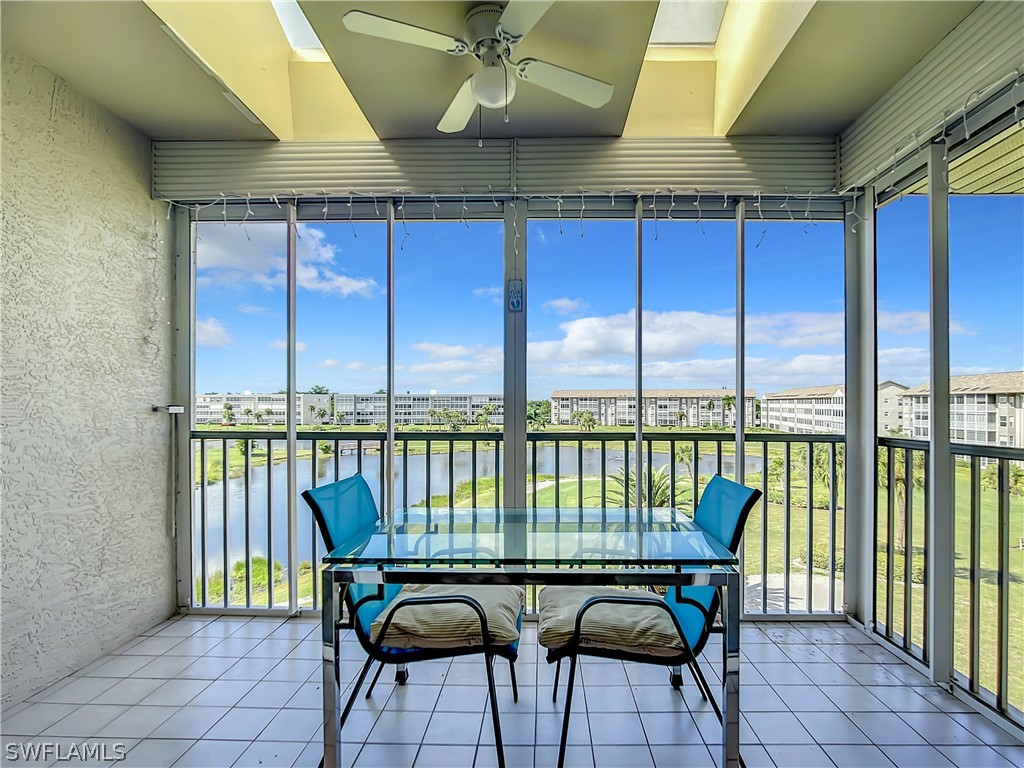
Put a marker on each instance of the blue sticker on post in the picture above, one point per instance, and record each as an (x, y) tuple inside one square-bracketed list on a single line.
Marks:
[(515, 295)]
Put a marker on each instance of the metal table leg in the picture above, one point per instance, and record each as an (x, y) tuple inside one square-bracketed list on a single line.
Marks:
[(731, 672), (331, 596)]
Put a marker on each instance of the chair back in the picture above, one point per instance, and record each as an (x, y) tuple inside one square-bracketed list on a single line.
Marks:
[(723, 510), (342, 510), (722, 513)]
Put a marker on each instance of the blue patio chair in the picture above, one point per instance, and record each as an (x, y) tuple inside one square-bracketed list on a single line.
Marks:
[(691, 611), (345, 511)]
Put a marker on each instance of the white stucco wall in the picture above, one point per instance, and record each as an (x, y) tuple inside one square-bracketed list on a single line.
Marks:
[(87, 553)]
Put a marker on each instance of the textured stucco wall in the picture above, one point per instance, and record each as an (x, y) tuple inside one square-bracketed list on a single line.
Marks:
[(87, 554)]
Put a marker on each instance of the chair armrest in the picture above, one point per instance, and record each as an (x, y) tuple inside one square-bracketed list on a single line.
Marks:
[(435, 600)]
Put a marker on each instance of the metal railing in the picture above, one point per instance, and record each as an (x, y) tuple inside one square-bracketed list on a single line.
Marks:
[(988, 617), (793, 547), (901, 552)]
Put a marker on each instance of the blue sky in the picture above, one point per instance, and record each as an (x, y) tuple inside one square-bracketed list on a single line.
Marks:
[(580, 300)]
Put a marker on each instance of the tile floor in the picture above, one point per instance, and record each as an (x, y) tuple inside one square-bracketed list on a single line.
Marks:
[(246, 692)]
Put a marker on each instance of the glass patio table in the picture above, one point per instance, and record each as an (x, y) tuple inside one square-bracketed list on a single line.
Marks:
[(567, 545)]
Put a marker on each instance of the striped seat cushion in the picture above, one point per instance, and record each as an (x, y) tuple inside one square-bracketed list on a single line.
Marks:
[(451, 625), (629, 628)]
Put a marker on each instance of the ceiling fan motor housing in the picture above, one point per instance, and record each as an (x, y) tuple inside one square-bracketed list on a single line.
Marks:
[(481, 29)]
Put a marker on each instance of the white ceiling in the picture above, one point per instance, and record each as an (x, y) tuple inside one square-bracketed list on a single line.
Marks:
[(117, 54)]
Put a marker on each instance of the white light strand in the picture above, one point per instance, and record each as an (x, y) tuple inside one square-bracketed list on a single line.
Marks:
[(583, 207), (225, 208), (433, 208), (558, 204), (853, 212), (700, 214), (764, 227), (493, 198), (350, 212), (462, 216), (405, 226), (654, 207), (671, 202), (326, 204), (170, 207), (376, 210)]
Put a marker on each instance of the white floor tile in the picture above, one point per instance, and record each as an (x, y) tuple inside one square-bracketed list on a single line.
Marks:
[(129, 690), (270, 754), (922, 756), (207, 754), (155, 753), (136, 723), (387, 756), (242, 724), (222, 693), (270, 693), (85, 720), (189, 723), (175, 693), (79, 690), (293, 725), (434, 756), (36, 718)]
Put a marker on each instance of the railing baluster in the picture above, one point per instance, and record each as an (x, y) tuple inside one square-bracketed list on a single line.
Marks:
[(312, 526), (270, 523), (975, 586), (718, 455), (451, 474), (497, 473), (908, 547), (247, 468), (649, 470), (225, 495), (809, 586), (579, 477), (473, 475), (672, 476), (604, 473), (405, 473), (890, 541), (695, 470), (1003, 600), (337, 465), (787, 480), (204, 527), (833, 513), (426, 459), (924, 562), (764, 527), (533, 470), (558, 476)]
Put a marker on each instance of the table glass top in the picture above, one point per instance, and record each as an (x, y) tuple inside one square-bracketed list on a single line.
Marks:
[(506, 537)]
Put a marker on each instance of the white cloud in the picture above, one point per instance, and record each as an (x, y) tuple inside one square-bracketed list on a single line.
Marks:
[(211, 333), (328, 363), (487, 292), (356, 365), (913, 321), (282, 344), (565, 305), (252, 309), (451, 360), (437, 351), (255, 254)]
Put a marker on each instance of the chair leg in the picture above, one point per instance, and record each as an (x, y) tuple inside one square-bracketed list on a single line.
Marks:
[(402, 674), (702, 682), (495, 720), (376, 677), (695, 671), (355, 689), (554, 688), (675, 677), (512, 674), (568, 709)]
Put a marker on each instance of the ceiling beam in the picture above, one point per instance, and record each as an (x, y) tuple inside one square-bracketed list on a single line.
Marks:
[(752, 37)]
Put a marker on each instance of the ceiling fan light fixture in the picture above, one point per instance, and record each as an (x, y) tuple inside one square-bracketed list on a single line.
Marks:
[(493, 86)]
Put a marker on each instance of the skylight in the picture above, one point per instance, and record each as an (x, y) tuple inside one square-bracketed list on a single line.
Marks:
[(296, 26), (687, 22)]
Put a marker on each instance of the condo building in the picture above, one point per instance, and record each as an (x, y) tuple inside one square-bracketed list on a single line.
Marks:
[(660, 407), (984, 408)]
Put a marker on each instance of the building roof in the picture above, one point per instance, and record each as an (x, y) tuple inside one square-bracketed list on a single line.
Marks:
[(828, 390), (647, 393), (1011, 382), (888, 383)]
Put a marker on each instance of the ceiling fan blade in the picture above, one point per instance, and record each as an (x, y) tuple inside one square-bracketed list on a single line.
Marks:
[(586, 90), (520, 16), (389, 29), (457, 116)]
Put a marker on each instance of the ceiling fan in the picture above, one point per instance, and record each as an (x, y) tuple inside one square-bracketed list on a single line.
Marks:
[(491, 34)]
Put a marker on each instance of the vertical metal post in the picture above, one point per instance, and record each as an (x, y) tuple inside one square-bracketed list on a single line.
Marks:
[(291, 426), (741, 342), (639, 360), (387, 503), (513, 494), (183, 393), (329, 616), (940, 495), (861, 404), (731, 672)]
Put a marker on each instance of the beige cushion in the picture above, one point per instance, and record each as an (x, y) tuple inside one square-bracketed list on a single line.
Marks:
[(451, 625), (632, 628)]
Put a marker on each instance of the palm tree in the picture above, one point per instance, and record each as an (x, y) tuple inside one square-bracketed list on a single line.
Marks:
[(684, 455), (432, 414), (312, 411), (269, 413), (483, 416), (1015, 479), (728, 403), (585, 420), (658, 492), (900, 485), (257, 417), (248, 415), (228, 413), (681, 418), (321, 414)]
